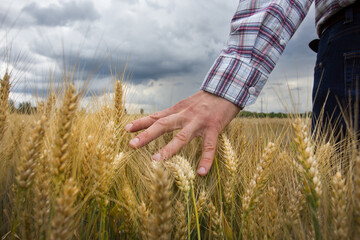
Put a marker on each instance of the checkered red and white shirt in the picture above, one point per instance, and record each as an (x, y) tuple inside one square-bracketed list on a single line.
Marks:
[(260, 31)]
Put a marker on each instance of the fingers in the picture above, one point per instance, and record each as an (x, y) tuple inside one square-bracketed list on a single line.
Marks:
[(208, 152), (181, 138), (159, 127), (146, 122)]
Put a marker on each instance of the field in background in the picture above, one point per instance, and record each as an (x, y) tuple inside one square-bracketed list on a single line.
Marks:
[(69, 174)]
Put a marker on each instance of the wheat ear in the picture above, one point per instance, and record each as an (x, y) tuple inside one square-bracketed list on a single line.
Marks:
[(258, 181), (256, 186), (50, 103), (131, 204), (202, 201), (31, 153), (338, 208), (183, 173), (185, 176), (62, 140), (181, 224), (62, 223), (42, 197), (357, 191), (308, 167), (216, 226), (161, 202), (231, 164), (144, 221), (295, 206), (4, 98), (119, 104), (87, 167)]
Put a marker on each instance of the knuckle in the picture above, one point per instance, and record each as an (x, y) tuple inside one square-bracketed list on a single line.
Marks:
[(215, 124), (209, 147), (180, 105), (192, 110), (206, 161), (204, 107), (163, 122), (144, 135), (165, 153), (155, 116), (181, 136)]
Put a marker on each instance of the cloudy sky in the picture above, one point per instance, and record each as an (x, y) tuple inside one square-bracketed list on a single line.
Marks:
[(168, 46)]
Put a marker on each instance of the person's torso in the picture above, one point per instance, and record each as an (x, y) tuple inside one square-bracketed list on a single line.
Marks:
[(327, 8)]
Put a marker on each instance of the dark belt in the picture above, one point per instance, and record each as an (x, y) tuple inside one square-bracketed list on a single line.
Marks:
[(337, 17)]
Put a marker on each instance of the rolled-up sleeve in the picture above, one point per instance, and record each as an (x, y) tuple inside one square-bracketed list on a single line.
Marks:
[(259, 33)]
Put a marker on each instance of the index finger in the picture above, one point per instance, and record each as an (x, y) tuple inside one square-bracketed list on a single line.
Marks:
[(147, 121)]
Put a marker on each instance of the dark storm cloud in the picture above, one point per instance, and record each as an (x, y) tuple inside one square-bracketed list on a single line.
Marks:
[(141, 67), (139, 70), (166, 45), (62, 14), (3, 18)]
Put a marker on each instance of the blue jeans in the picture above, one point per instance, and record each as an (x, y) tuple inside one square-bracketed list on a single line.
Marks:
[(336, 79)]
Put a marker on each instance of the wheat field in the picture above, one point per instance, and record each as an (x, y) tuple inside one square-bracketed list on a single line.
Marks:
[(68, 173)]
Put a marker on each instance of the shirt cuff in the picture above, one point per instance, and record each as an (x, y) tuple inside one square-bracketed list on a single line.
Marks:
[(234, 80)]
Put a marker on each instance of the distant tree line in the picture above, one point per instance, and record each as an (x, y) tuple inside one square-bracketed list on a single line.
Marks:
[(247, 114), (27, 108), (23, 108)]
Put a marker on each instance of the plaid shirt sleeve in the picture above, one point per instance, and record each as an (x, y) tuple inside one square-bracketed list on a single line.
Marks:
[(259, 33)]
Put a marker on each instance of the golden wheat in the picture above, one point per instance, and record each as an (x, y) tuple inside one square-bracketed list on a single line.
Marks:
[(62, 140), (4, 96), (161, 201), (62, 223), (72, 175)]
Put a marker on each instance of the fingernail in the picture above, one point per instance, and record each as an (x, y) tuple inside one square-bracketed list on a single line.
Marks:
[(156, 157), (201, 171), (134, 142), (128, 127)]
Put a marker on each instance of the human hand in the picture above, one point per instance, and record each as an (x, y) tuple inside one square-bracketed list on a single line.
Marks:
[(202, 114)]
